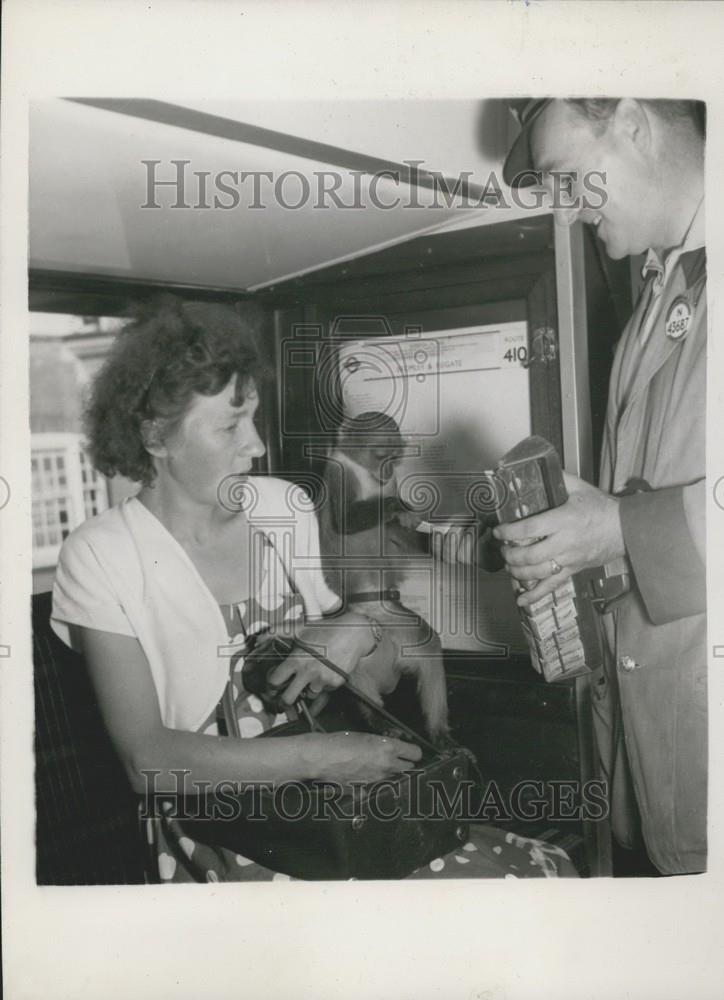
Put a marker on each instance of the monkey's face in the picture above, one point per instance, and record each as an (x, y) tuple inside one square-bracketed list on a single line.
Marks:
[(381, 460)]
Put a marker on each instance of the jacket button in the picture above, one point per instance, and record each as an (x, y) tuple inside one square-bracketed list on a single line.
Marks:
[(627, 663)]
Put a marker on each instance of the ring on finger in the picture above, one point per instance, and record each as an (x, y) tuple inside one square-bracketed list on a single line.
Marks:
[(555, 567)]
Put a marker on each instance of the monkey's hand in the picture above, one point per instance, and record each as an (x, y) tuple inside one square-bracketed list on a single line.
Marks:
[(408, 519)]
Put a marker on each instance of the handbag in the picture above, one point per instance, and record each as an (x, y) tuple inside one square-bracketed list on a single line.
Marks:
[(315, 830)]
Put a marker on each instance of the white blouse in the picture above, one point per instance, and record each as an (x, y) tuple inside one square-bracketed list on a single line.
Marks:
[(123, 572)]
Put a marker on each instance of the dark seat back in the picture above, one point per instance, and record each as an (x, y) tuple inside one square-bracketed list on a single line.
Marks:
[(87, 831)]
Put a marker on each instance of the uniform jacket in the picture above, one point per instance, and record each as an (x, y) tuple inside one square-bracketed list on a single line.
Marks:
[(654, 747)]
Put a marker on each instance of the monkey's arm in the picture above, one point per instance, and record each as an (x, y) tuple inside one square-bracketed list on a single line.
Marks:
[(358, 515)]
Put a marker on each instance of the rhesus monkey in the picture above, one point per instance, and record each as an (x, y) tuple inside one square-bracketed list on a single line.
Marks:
[(367, 535)]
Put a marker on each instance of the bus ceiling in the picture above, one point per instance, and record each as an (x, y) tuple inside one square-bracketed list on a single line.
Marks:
[(227, 198)]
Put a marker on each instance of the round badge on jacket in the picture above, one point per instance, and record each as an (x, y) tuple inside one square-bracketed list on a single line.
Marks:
[(678, 318)]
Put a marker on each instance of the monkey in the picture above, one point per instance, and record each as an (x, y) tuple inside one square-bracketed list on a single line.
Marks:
[(368, 543)]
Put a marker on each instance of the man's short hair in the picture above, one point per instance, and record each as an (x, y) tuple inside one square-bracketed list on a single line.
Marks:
[(600, 109), (519, 169)]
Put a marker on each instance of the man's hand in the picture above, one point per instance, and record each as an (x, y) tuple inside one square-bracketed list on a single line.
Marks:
[(584, 532)]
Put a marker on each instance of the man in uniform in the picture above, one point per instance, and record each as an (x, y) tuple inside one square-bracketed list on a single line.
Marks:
[(647, 520)]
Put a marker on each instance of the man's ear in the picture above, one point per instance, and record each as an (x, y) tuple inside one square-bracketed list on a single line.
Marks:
[(632, 123), (153, 439)]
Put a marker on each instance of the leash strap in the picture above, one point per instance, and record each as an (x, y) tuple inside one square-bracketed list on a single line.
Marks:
[(363, 596), (388, 716)]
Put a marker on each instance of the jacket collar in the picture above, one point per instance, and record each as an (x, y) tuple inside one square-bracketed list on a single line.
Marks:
[(693, 240), (653, 351)]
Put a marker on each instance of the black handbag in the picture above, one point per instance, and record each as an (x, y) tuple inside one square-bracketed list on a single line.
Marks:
[(314, 830)]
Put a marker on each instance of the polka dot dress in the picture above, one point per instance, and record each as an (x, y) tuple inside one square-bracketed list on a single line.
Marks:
[(494, 853)]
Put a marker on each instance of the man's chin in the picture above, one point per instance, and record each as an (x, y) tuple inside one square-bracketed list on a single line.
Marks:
[(614, 251), (617, 249), (617, 254)]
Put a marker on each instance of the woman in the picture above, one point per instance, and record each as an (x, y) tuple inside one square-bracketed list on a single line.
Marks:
[(163, 592)]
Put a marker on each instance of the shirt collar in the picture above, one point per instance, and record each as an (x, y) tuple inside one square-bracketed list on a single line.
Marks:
[(693, 240)]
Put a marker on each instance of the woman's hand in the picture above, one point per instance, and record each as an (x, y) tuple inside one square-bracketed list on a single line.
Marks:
[(347, 757), (344, 640)]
